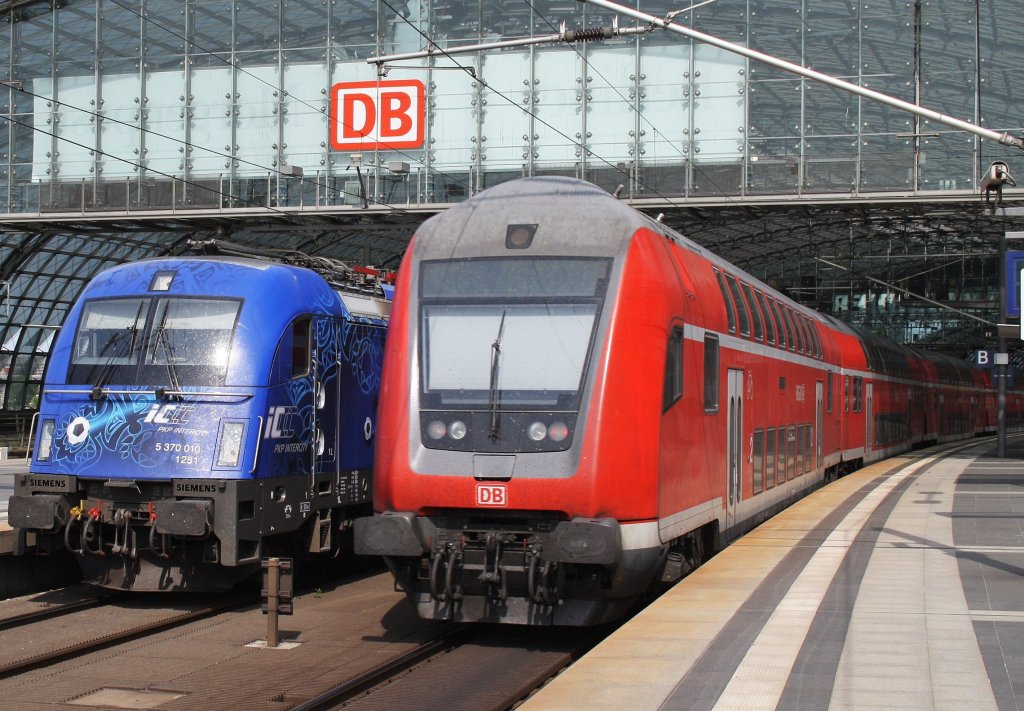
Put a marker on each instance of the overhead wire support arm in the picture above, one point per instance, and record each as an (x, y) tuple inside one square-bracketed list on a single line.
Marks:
[(667, 24), (589, 34)]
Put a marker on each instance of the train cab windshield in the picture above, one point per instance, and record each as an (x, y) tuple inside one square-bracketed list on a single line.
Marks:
[(508, 333), (154, 341)]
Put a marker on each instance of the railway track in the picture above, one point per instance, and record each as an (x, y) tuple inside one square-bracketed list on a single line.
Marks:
[(355, 643), (387, 671), (465, 668), (51, 652), (77, 598)]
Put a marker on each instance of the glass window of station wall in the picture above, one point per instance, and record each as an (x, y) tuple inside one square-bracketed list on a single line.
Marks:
[(168, 104)]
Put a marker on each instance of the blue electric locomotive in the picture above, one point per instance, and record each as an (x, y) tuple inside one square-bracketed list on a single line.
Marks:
[(200, 413)]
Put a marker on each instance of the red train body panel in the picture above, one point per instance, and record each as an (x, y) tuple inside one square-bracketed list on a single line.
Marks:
[(577, 402)]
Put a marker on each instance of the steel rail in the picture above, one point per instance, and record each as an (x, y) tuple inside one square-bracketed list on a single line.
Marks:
[(108, 640), (385, 671), (53, 611)]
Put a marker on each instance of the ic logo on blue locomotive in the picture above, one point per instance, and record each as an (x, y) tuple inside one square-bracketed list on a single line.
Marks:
[(279, 422), (169, 414)]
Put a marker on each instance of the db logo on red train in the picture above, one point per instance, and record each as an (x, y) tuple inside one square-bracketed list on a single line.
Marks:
[(377, 115), (491, 495)]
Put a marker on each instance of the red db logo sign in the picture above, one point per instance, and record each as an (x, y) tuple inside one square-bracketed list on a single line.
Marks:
[(368, 115), (491, 495)]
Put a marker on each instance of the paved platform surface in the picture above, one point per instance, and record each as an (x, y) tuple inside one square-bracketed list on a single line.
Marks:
[(898, 587)]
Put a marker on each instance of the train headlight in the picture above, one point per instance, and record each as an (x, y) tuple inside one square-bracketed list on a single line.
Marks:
[(436, 429), (229, 444), (537, 431), (45, 441), (457, 430), (558, 431)]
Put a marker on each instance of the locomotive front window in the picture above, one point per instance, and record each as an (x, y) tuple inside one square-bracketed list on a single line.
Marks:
[(110, 332), (153, 342), (191, 340), (508, 333), (541, 352)]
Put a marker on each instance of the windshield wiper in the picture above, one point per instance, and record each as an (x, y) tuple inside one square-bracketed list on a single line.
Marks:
[(112, 344), (494, 397), (164, 341)]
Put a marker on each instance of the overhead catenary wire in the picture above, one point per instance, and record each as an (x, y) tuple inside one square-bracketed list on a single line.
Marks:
[(563, 35), (643, 118), (472, 72)]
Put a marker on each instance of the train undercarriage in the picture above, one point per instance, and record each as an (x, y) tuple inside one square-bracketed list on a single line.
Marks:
[(534, 571), (136, 535)]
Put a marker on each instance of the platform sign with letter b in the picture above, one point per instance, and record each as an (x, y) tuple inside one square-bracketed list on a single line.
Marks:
[(377, 115)]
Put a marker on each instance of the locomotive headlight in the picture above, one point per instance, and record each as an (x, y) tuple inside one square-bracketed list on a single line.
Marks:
[(558, 431), (537, 431), (457, 430), (229, 444), (45, 440), (436, 429)]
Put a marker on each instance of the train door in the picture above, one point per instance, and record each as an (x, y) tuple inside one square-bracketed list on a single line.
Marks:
[(819, 389), (869, 416), (325, 393), (734, 445)]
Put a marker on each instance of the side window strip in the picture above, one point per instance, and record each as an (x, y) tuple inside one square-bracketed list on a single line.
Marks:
[(710, 373), (673, 389), (755, 312), (730, 308), (778, 319), (769, 325), (741, 308)]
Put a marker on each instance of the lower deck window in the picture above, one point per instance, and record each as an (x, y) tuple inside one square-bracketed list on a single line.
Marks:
[(780, 471), (758, 461)]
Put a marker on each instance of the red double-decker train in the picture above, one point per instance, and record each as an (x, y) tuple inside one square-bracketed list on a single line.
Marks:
[(578, 402)]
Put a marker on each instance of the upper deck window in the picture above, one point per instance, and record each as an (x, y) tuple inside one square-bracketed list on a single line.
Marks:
[(730, 308), (791, 332), (769, 325), (782, 329), (801, 322), (741, 307), (755, 312), (819, 352)]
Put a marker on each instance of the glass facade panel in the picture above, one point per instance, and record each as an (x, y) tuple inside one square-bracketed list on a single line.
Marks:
[(556, 104), (164, 123), (218, 93), (610, 124), (664, 109), (505, 126), (719, 107)]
